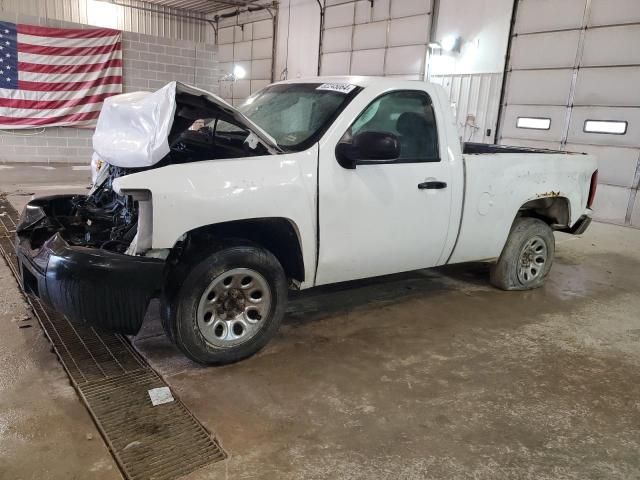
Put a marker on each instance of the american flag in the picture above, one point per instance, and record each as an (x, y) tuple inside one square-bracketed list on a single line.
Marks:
[(56, 76)]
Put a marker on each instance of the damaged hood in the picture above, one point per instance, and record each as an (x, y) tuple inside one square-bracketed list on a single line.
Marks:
[(133, 128)]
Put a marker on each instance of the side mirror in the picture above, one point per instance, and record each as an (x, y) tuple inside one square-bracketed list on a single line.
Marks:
[(368, 146)]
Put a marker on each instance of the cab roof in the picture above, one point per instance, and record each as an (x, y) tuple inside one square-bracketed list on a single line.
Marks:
[(360, 81)]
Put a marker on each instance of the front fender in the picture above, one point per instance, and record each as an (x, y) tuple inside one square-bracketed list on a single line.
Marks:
[(192, 195)]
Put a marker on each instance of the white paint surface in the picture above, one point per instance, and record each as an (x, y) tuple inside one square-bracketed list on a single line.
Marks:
[(373, 219)]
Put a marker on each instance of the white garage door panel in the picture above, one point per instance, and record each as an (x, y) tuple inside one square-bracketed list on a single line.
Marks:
[(405, 60), (258, 85), (545, 15), (337, 39), (242, 51), (580, 114), (608, 12), (518, 142), (404, 8), (616, 165), (611, 203), (246, 32), (263, 29), (612, 46), (512, 112), (262, 49), (339, 16), (409, 31), (539, 87), (370, 35), (615, 86), (261, 69), (368, 62), (364, 12), (225, 67), (249, 46), (246, 65), (335, 63), (225, 35), (225, 53), (635, 216), (225, 91), (241, 90), (381, 37), (559, 50)]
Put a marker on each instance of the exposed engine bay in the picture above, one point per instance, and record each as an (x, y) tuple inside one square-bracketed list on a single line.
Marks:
[(106, 220), (201, 131), (102, 219)]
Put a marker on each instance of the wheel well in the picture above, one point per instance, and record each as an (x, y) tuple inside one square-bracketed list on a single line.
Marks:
[(551, 210), (275, 234)]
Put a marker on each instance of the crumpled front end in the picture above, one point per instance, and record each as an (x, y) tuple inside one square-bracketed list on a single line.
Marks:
[(68, 258)]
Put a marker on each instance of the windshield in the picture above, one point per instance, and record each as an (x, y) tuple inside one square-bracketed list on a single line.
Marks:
[(296, 115)]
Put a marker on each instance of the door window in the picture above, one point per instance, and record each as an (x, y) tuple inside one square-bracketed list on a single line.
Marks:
[(409, 115)]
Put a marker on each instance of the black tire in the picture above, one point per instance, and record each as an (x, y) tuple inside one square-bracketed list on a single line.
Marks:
[(167, 312), (517, 269), (180, 311)]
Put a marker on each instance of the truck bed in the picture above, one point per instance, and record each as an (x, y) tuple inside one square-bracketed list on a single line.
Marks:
[(501, 180), (471, 148)]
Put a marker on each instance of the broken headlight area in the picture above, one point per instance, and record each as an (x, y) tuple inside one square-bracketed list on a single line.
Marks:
[(103, 219)]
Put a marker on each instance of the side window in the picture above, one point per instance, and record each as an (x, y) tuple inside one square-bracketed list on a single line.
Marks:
[(408, 115)]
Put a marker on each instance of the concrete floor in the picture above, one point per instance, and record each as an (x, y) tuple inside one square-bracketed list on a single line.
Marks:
[(432, 374)]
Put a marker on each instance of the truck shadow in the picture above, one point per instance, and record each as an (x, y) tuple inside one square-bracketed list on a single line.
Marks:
[(321, 302)]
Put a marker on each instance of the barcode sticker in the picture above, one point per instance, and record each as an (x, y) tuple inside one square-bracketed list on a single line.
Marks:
[(337, 87)]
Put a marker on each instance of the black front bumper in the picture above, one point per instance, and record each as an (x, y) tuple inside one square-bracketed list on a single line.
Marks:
[(88, 285)]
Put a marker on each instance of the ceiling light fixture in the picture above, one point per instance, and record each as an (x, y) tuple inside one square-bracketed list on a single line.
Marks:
[(451, 43), (239, 72)]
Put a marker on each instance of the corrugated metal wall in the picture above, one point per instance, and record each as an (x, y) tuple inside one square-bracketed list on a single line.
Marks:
[(129, 16), (474, 99)]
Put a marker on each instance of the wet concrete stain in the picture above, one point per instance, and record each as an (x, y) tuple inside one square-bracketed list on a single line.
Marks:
[(44, 428)]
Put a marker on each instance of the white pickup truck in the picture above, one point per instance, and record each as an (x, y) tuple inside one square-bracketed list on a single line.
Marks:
[(219, 211)]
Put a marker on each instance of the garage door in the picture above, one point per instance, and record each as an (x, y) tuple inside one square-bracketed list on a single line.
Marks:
[(385, 37), (572, 83), (249, 46)]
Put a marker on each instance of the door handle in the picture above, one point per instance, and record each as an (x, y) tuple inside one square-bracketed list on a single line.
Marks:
[(432, 185)]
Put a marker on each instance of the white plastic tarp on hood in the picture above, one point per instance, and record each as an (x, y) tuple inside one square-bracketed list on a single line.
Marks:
[(133, 128)]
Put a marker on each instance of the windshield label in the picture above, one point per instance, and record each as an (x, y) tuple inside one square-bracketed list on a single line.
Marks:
[(252, 141), (337, 87)]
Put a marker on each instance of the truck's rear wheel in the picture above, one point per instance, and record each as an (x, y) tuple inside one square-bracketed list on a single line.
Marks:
[(230, 305), (527, 256)]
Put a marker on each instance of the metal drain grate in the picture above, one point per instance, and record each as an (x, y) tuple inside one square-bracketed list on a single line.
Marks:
[(160, 443)]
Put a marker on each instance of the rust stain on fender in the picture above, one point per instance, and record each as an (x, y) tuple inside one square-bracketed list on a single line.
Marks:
[(549, 194)]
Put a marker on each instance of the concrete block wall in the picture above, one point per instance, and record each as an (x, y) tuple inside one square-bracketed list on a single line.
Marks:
[(149, 63)]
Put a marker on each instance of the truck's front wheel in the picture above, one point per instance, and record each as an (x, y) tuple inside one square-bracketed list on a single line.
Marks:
[(527, 256), (229, 305)]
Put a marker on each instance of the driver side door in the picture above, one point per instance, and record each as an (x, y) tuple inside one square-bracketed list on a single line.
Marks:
[(385, 216)]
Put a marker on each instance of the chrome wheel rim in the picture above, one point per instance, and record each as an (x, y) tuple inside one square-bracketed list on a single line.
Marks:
[(533, 258), (234, 307)]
